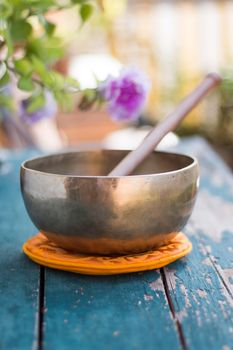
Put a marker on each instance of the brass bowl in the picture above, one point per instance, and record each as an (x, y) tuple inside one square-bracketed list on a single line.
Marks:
[(71, 200)]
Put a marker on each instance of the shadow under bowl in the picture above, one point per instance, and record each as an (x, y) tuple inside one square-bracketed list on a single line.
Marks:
[(70, 199)]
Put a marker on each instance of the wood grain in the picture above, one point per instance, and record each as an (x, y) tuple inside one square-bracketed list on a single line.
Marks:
[(187, 305), (201, 284), (18, 276), (191, 291), (111, 312)]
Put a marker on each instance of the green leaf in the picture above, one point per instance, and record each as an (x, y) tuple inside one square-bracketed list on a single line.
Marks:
[(3, 69), (20, 30), (53, 80), (26, 84), (90, 94), (6, 9), (58, 80), (47, 49), (36, 102), (9, 43), (47, 80), (49, 27), (3, 26), (70, 84), (65, 100), (52, 54), (38, 65), (41, 5), (85, 11), (78, 1), (89, 98), (5, 79), (23, 66)]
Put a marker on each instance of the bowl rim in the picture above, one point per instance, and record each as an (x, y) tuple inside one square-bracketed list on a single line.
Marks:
[(194, 162)]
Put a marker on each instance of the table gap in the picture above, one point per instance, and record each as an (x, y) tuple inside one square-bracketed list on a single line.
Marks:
[(173, 312), (41, 307), (216, 268)]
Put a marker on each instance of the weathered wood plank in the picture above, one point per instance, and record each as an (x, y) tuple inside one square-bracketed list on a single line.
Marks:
[(132, 311), (107, 312), (125, 311), (201, 284), (18, 276)]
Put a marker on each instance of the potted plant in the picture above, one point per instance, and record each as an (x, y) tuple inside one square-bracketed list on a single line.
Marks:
[(29, 49)]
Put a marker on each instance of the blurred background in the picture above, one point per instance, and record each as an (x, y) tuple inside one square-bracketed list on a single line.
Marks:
[(174, 42)]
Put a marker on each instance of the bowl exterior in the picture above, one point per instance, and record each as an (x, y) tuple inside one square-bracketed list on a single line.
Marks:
[(104, 215)]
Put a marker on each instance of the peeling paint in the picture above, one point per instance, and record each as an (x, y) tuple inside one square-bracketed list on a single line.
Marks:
[(209, 280), (148, 297), (202, 293), (227, 287), (226, 347), (171, 277), (208, 249), (199, 322), (195, 299), (207, 205), (228, 273), (186, 297), (116, 333), (157, 285), (222, 304), (182, 314), (207, 262)]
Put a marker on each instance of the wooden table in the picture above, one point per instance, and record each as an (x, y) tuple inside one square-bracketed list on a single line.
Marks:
[(187, 305)]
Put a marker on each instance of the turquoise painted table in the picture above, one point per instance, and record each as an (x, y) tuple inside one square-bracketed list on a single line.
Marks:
[(187, 305)]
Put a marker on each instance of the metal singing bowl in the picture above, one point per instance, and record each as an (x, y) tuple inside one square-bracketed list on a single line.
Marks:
[(71, 200)]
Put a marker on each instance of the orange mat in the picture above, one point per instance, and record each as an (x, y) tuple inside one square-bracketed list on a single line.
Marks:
[(47, 253)]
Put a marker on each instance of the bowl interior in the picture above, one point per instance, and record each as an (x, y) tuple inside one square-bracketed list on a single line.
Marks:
[(100, 163)]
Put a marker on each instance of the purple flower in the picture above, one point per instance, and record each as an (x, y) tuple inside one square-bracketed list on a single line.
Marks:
[(47, 111), (125, 95)]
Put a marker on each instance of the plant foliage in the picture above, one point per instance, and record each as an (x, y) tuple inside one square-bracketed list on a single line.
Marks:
[(30, 55)]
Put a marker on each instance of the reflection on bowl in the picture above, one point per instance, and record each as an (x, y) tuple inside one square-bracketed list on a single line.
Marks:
[(72, 201)]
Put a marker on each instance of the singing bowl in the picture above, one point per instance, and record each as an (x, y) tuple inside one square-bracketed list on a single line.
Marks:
[(70, 199)]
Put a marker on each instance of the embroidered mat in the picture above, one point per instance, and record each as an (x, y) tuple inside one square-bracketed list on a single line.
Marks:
[(44, 252)]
